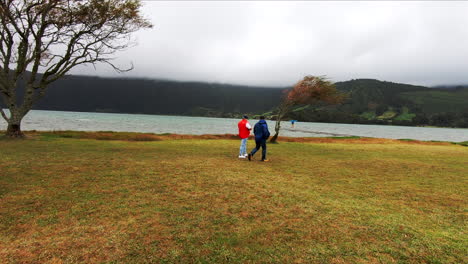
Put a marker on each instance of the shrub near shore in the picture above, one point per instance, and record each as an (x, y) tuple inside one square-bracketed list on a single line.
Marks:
[(68, 199)]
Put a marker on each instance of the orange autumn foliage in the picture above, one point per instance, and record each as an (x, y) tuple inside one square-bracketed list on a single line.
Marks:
[(308, 91), (313, 89)]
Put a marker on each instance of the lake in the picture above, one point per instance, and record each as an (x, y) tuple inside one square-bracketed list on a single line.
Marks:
[(82, 121)]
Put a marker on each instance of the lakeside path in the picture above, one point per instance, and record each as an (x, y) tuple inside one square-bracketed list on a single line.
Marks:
[(68, 198)]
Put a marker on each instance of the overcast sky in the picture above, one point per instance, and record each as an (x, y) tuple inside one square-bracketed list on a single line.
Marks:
[(276, 43)]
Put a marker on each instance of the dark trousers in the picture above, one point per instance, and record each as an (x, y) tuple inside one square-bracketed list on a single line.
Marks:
[(258, 144)]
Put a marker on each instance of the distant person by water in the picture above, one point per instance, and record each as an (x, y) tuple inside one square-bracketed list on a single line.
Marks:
[(244, 133), (292, 123), (261, 135)]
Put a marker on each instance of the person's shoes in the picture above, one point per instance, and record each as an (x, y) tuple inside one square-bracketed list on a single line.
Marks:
[(245, 155), (265, 160), (249, 156), (241, 157)]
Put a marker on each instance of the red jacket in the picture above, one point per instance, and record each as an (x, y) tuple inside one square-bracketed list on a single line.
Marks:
[(244, 132)]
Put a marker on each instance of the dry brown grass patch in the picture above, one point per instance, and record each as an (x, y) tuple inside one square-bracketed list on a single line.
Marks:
[(133, 136)]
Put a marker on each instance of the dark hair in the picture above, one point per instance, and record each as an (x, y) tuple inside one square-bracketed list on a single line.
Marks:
[(262, 117), (246, 117)]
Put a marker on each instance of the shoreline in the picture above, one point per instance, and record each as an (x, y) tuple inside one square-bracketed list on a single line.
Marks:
[(87, 121), (139, 136), (238, 117)]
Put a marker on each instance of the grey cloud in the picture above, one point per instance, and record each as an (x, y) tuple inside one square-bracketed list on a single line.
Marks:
[(276, 43)]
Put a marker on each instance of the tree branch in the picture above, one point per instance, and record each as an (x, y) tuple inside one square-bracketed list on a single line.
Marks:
[(4, 115), (54, 36)]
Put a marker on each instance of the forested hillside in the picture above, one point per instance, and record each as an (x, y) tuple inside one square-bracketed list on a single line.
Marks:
[(93, 94), (378, 102), (370, 101)]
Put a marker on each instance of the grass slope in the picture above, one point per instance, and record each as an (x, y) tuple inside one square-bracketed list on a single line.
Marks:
[(68, 200)]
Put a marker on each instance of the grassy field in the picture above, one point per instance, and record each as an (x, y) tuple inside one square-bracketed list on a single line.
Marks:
[(68, 198)]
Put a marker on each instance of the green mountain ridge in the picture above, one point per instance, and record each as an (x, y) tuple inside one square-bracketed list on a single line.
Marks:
[(380, 102), (370, 101)]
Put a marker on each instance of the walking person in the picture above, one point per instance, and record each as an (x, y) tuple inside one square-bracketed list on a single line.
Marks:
[(292, 123), (244, 133), (261, 135)]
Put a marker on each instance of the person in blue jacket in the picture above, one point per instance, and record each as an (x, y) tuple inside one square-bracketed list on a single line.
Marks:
[(261, 135), (292, 123)]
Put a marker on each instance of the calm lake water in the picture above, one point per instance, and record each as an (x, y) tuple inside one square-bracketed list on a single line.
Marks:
[(82, 121)]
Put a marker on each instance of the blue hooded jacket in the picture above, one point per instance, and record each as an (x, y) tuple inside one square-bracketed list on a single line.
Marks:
[(261, 130)]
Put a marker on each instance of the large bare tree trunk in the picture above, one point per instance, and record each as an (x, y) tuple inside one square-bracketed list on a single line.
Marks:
[(282, 111), (14, 131), (14, 126), (277, 129)]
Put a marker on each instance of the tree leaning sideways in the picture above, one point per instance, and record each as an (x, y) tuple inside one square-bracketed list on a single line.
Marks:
[(42, 40), (308, 91)]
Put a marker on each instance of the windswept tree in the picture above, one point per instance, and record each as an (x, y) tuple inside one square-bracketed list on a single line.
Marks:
[(42, 40), (310, 90)]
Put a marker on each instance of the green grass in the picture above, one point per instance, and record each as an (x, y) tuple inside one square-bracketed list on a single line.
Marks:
[(405, 115), (72, 200), (464, 143), (387, 115), (301, 108), (368, 115)]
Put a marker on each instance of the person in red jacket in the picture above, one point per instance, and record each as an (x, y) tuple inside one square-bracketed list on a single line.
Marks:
[(244, 133)]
